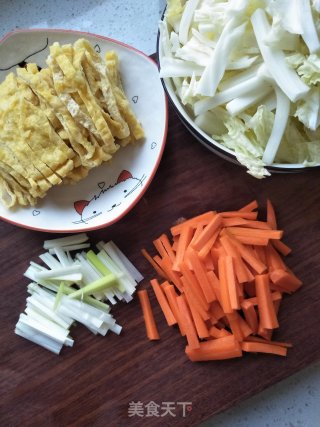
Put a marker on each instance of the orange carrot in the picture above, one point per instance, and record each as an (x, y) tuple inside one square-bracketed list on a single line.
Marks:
[(231, 283), (218, 349), (198, 321), (187, 322), (267, 314), (201, 276), (224, 290), (249, 207), (205, 217), (163, 302), (206, 248), (208, 232), (273, 259), (258, 347), (241, 214), (250, 315), (255, 232), (281, 247), (192, 283), (164, 240), (271, 216), (224, 282), (194, 300), (172, 300), (153, 263), (285, 280), (274, 295), (247, 254), (218, 333), (235, 326), (150, 324), (183, 242)]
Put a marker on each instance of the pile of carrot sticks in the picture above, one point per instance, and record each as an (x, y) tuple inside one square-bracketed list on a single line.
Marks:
[(220, 278)]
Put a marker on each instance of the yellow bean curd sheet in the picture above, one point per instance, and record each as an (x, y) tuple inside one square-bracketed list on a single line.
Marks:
[(57, 123)]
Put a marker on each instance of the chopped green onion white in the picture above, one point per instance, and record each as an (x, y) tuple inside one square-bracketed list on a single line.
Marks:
[(75, 289)]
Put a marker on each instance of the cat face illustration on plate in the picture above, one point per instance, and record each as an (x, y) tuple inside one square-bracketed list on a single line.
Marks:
[(107, 198)]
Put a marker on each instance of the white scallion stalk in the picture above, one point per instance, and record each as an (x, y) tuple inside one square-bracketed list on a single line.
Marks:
[(62, 257), (279, 126), (38, 338), (275, 61), (50, 260), (66, 241), (62, 273), (131, 269), (70, 248)]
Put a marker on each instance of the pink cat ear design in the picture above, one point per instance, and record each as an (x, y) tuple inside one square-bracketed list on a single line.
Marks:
[(79, 205), (124, 175)]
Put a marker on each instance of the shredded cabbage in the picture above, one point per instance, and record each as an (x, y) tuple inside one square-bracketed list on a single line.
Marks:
[(248, 73)]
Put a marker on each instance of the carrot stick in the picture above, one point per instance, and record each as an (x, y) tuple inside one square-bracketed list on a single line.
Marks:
[(252, 240), (216, 310), (205, 250), (208, 232), (194, 299), (240, 269), (246, 215), (250, 315), (247, 254), (187, 322), (205, 217), (158, 245), (274, 260), (153, 263), (249, 207), (257, 347), (193, 284), (231, 283), (162, 300), (150, 324), (167, 247), (217, 349), (172, 300), (235, 326), (256, 224), (233, 221), (213, 279), (218, 333), (224, 290), (285, 280), (166, 265), (183, 242), (201, 276), (281, 247), (276, 296), (199, 323), (267, 314), (255, 232), (271, 216)]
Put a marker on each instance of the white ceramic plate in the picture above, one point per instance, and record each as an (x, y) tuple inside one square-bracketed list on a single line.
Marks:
[(112, 189)]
